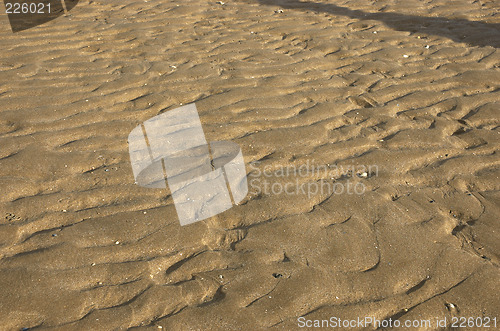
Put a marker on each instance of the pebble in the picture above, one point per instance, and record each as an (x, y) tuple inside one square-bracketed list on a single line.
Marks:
[(451, 307)]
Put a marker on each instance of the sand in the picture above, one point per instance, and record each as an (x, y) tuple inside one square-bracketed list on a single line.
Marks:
[(410, 88)]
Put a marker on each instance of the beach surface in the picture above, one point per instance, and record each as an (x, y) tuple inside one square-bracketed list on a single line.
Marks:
[(390, 108)]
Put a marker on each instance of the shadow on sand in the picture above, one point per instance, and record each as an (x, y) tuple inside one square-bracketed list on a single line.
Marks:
[(473, 33)]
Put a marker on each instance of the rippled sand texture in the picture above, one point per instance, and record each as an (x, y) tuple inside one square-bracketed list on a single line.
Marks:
[(409, 86)]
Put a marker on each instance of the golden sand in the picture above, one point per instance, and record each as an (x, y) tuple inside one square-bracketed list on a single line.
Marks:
[(411, 87)]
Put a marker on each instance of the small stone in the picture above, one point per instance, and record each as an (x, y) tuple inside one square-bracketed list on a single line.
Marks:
[(451, 307), (117, 242), (406, 56)]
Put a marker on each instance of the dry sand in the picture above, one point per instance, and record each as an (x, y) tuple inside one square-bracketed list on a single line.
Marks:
[(409, 86)]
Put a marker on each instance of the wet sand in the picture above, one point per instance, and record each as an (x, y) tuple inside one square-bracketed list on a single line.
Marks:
[(409, 88)]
